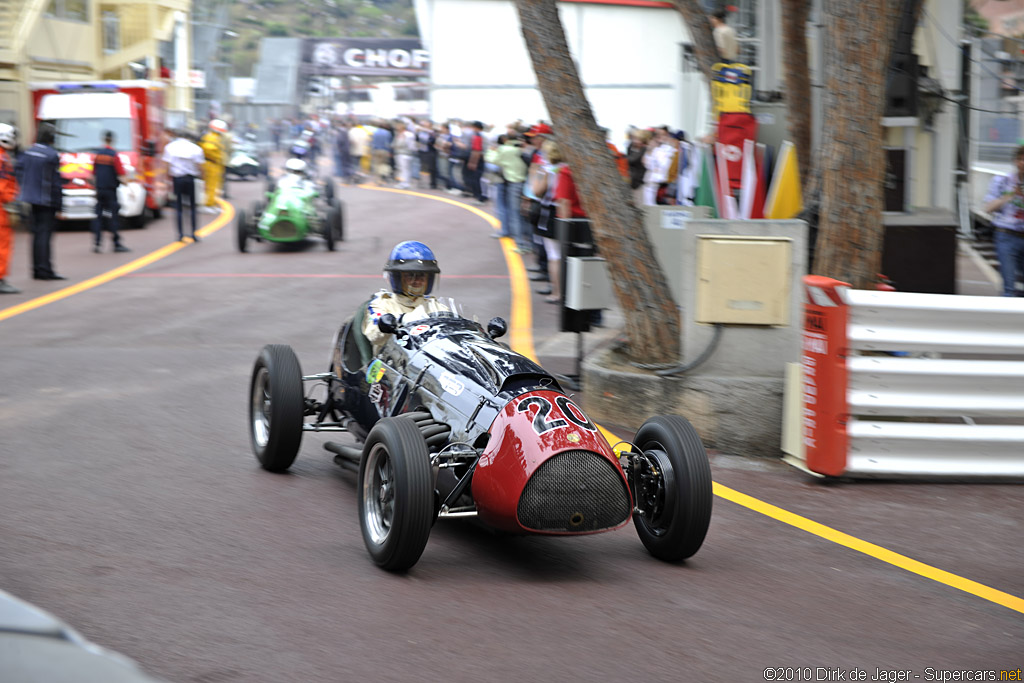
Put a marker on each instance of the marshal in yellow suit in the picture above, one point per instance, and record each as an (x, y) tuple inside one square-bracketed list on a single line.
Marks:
[(213, 168)]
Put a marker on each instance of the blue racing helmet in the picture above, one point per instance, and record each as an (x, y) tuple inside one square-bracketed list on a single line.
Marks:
[(411, 257)]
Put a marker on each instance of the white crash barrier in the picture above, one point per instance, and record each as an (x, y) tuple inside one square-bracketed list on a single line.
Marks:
[(906, 385)]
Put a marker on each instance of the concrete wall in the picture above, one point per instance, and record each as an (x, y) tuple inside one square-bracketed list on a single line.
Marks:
[(734, 399), (744, 349)]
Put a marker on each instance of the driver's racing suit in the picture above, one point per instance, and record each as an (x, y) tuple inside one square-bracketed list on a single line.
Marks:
[(397, 305)]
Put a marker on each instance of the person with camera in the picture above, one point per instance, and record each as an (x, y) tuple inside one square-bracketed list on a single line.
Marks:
[(1005, 202)]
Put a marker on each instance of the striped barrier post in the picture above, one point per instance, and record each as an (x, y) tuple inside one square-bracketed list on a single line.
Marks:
[(825, 346)]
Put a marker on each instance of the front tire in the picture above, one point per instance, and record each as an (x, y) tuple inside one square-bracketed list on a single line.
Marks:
[(396, 497), (242, 231), (275, 407), (674, 496), (331, 226), (339, 234)]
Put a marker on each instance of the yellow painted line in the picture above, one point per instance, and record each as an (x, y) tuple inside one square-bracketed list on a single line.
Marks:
[(523, 341), (521, 325), (878, 552), (462, 205), (227, 213)]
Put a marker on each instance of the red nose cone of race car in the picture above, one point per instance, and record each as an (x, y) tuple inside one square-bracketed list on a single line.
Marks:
[(548, 470)]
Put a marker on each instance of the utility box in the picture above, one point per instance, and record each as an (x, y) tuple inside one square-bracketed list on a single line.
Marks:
[(587, 286), (743, 280)]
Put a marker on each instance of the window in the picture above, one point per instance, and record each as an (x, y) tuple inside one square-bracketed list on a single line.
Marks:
[(111, 32), (73, 10)]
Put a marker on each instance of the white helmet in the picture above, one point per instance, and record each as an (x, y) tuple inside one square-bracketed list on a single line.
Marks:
[(218, 126), (8, 136), (295, 165)]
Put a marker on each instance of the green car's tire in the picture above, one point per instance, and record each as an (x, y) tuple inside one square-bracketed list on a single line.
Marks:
[(340, 225), (330, 227), (242, 231)]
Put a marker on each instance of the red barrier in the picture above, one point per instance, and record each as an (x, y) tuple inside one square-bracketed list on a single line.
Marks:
[(824, 375)]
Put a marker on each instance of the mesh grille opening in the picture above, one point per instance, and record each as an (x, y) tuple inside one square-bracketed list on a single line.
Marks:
[(284, 230), (575, 491)]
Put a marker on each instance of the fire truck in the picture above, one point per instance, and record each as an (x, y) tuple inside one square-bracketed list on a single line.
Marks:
[(81, 112)]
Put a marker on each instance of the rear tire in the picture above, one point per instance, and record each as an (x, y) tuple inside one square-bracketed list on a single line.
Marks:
[(676, 501), (242, 231), (396, 496), (275, 407)]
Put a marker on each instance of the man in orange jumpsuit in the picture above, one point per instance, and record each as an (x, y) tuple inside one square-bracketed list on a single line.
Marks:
[(8, 191)]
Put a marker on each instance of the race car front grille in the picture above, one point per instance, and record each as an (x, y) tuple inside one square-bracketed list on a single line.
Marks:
[(284, 230), (575, 491)]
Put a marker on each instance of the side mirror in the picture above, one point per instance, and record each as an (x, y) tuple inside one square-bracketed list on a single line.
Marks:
[(387, 323), (497, 327)]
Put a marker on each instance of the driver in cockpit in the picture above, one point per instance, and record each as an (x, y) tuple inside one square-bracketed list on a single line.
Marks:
[(411, 271), (296, 173)]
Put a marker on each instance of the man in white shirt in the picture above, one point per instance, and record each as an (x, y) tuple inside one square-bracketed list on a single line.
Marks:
[(184, 159), (725, 37)]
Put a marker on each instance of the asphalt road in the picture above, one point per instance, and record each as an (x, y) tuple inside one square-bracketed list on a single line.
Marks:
[(132, 507)]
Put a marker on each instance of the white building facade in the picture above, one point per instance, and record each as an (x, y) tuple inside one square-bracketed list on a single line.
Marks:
[(629, 54)]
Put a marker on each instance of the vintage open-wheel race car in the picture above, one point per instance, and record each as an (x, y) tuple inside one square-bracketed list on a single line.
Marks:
[(245, 160), (295, 209), (449, 422)]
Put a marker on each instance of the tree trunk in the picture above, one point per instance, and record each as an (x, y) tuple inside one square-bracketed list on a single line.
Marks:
[(699, 26), (798, 82), (852, 164), (651, 318)]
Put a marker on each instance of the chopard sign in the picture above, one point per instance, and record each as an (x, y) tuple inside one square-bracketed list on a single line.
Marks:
[(373, 56)]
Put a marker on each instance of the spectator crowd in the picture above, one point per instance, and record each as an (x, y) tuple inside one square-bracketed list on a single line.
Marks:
[(519, 167)]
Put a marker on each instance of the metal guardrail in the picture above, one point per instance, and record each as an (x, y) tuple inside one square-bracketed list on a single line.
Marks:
[(904, 385)]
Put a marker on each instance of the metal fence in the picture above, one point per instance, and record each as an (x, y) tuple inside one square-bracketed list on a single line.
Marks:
[(923, 386)]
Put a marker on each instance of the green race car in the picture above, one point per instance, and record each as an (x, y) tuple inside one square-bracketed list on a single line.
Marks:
[(296, 207)]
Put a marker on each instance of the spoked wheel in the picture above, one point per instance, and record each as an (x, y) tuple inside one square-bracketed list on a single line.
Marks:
[(396, 498), (242, 231), (276, 407), (330, 226), (672, 488)]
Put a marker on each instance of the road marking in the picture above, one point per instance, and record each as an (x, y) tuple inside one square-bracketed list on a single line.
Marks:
[(521, 300), (227, 213), (522, 341), (343, 276)]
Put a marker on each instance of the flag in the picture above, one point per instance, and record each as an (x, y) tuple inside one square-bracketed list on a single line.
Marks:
[(752, 188), (726, 202), (784, 197), (748, 181), (707, 193)]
